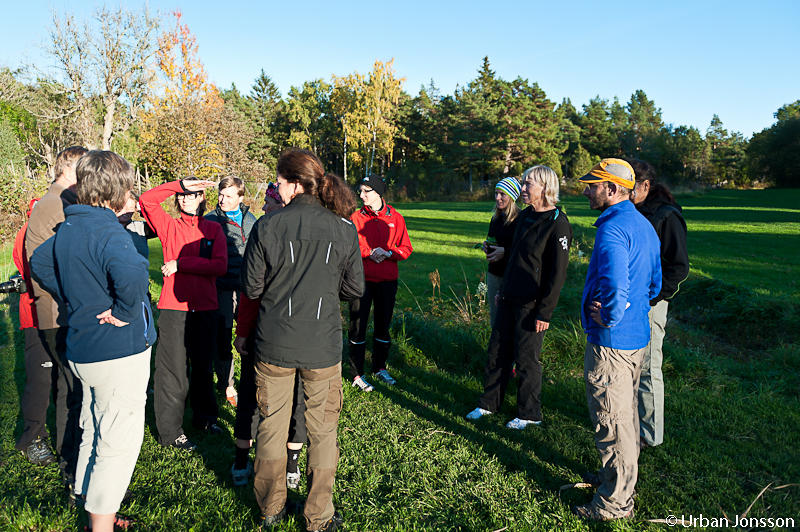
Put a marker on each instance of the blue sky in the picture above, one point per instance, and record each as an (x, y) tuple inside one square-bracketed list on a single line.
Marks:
[(740, 60)]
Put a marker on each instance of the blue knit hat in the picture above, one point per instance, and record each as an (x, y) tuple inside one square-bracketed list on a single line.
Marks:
[(510, 186)]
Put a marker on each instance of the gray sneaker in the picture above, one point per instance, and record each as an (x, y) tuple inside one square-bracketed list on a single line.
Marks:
[(293, 479), (39, 453), (184, 443), (362, 384), (241, 476), (385, 377)]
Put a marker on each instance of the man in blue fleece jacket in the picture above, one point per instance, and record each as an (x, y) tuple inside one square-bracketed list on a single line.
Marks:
[(624, 275)]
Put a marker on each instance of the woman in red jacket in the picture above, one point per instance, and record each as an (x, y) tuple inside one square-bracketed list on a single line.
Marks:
[(383, 239), (195, 254)]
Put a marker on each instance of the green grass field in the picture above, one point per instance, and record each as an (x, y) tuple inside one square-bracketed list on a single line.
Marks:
[(409, 460)]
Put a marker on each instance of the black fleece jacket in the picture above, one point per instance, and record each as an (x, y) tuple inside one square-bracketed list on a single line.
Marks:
[(236, 235), (671, 229), (537, 265), (301, 261)]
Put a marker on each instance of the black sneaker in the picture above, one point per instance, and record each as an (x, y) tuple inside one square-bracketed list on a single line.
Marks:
[(39, 453), (183, 443), (209, 427), (334, 523), (593, 478)]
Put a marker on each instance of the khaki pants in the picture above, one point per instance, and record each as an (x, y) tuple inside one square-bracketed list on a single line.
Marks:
[(112, 419), (322, 389), (651, 385), (612, 380)]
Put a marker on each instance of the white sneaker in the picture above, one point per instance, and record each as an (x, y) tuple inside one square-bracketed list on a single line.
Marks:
[(519, 424), (478, 413), (385, 377), (361, 383), (293, 480)]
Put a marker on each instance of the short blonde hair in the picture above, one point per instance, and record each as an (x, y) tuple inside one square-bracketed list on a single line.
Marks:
[(545, 176)]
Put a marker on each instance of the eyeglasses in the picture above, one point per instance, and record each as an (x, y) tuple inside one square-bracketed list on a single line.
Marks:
[(189, 195)]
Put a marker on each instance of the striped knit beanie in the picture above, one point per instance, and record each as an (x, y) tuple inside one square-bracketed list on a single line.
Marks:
[(510, 186)]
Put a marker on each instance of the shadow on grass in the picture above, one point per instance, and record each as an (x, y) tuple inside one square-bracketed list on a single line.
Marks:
[(438, 397)]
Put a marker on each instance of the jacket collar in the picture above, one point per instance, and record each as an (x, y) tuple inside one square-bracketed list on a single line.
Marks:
[(622, 206), (385, 210), (304, 199), (90, 211), (190, 218), (219, 212)]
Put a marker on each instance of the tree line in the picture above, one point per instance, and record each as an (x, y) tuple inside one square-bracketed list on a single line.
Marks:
[(133, 82)]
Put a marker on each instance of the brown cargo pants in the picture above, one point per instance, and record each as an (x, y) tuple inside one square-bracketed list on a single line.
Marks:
[(322, 389), (612, 381)]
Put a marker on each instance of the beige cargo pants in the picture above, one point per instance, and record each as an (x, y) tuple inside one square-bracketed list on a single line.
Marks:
[(322, 389), (612, 381)]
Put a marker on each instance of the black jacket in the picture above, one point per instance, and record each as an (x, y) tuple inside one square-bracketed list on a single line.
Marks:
[(300, 261), (236, 236), (671, 229), (537, 264), (504, 234)]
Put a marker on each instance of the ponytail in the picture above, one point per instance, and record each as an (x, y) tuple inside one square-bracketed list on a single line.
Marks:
[(336, 196), (296, 165)]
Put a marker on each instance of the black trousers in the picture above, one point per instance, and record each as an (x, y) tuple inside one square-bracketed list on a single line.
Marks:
[(247, 415), (223, 358), (382, 296), (39, 373), (514, 338), (186, 345), (68, 397)]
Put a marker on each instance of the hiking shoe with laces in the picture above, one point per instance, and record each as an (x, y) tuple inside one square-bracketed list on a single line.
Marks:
[(385, 377), (362, 384), (590, 513), (334, 523), (183, 443), (519, 424), (478, 413), (39, 453), (272, 520), (241, 476)]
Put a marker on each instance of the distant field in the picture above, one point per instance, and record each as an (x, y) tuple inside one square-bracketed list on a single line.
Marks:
[(409, 459), (749, 238)]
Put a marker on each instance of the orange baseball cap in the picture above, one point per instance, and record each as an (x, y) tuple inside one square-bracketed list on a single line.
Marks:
[(615, 170)]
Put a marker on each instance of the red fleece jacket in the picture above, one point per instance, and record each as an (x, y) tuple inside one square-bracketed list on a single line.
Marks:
[(27, 309), (198, 245), (383, 229)]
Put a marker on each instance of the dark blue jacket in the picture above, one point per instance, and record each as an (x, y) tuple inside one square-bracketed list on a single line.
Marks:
[(92, 265), (624, 275)]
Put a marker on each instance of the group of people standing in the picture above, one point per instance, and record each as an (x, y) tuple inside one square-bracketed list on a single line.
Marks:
[(638, 262), (88, 319)]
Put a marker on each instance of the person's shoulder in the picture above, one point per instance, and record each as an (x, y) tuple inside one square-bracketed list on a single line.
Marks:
[(393, 212), (212, 225), (49, 204), (560, 219), (213, 216)]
